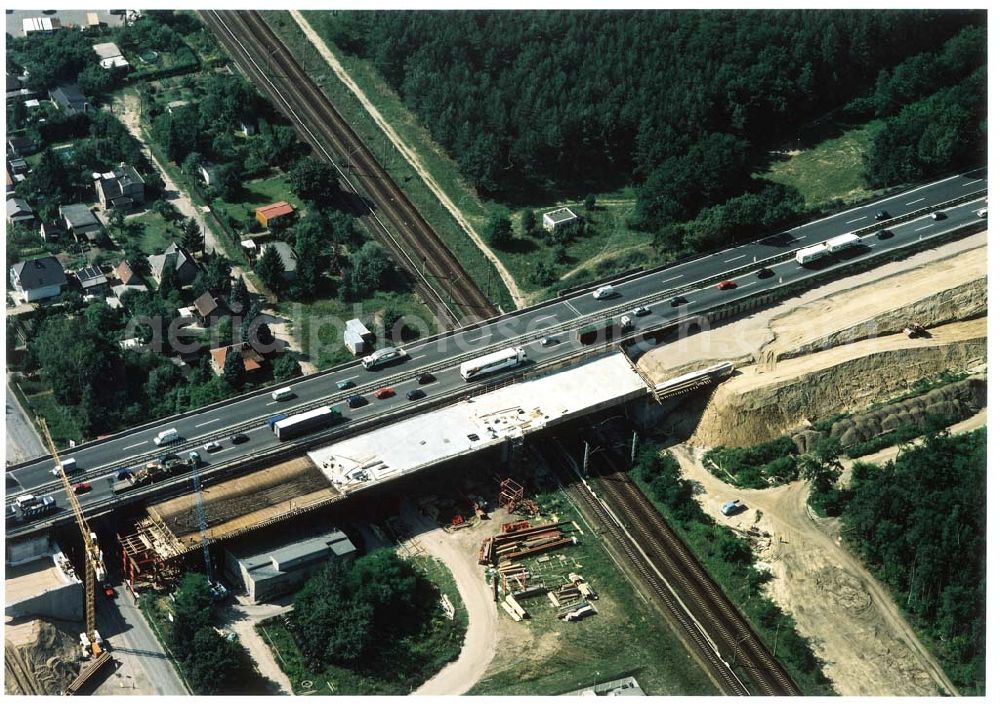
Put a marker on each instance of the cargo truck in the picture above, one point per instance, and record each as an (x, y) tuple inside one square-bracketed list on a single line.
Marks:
[(607, 330), (30, 506), (152, 472), (381, 357), (302, 423)]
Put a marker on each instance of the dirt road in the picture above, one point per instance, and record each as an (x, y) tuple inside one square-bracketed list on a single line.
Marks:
[(23, 441), (868, 648), (242, 617), (520, 300), (480, 640)]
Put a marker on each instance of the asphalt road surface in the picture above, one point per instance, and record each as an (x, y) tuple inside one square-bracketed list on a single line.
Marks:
[(99, 462)]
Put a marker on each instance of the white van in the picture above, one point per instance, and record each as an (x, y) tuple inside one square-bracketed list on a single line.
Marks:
[(166, 436), (604, 292), (282, 394)]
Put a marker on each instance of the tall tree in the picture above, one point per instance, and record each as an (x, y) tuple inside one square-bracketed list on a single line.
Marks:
[(270, 269), (191, 236), (233, 371)]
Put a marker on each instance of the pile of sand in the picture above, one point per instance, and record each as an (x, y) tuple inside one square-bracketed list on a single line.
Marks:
[(40, 656)]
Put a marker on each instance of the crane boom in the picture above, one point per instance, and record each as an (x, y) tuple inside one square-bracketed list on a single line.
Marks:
[(93, 561)]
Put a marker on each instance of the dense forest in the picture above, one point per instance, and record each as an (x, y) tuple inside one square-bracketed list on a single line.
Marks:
[(920, 524), (523, 100)]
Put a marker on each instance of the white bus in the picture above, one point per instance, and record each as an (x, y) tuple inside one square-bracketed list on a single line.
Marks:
[(493, 362), (842, 242)]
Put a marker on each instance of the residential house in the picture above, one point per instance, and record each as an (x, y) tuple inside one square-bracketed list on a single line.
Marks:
[(18, 166), (288, 261), (253, 361), (80, 221), (267, 214), (248, 128), (54, 231), (69, 99), (10, 182), (176, 105), (558, 219), (93, 281), (125, 274), (110, 56), (184, 265), (37, 279), (19, 212), (208, 308), (21, 145), (121, 189)]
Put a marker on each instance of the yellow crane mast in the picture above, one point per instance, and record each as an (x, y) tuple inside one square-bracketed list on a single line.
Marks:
[(93, 562)]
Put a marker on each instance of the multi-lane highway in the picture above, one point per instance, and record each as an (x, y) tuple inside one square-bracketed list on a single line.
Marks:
[(557, 319)]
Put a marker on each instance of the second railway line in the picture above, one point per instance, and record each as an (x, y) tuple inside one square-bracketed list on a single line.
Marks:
[(420, 251)]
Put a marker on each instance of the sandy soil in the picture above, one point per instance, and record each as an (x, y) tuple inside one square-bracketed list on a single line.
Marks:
[(242, 617), (849, 617), (458, 551), (741, 341), (520, 300)]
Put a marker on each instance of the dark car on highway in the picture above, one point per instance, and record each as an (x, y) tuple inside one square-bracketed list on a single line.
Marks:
[(426, 378), (765, 273), (882, 215), (677, 300), (414, 394), (884, 234), (356, 401), (238, 438)]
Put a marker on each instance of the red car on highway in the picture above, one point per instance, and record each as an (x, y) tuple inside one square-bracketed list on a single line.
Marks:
[(387, 392), (723, 285), (81, 488)]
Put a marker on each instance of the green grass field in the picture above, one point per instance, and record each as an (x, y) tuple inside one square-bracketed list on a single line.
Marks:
[(833, 169), (39, 401), (254, 194), (625, 637), (321, 339), (157, 233)]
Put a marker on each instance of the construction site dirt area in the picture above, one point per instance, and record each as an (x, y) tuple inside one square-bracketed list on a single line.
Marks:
[(941, 285), (246, 502), (856, 629), (41, 656)]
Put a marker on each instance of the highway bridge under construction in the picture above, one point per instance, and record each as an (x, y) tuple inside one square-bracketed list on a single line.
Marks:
[(171, 531)]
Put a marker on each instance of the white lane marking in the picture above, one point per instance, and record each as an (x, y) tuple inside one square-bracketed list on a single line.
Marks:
[(136, 445), (972, 182), (924, 227), (266, 404), (679, 276), (481, 337), (797, 239), (915, 201), (726, 261), (417, 357), (207, 422), (545, 317), (570, 306), (856, 220)]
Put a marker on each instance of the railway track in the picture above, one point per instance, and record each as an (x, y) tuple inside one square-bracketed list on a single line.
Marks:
[(730, 645), (668, 601), (270, 65)]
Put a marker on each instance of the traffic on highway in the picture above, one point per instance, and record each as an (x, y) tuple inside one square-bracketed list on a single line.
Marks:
[(431, 368)]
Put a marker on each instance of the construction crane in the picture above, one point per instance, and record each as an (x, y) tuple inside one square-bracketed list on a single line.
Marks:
[(93, 560), (216, 589)]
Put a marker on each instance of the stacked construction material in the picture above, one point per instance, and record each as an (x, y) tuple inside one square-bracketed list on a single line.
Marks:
[(518, 544), (570, 599)]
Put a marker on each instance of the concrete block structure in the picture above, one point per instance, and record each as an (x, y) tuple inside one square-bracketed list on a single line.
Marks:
[(558, 219), (276, 565)]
